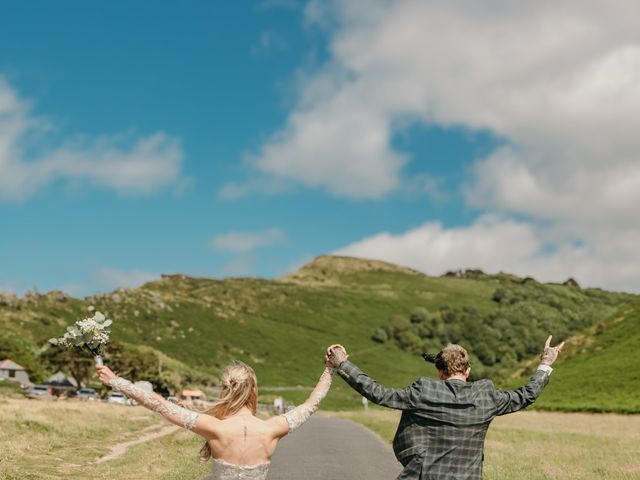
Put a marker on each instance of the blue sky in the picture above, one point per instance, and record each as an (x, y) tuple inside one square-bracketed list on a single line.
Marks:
[(245, 138)]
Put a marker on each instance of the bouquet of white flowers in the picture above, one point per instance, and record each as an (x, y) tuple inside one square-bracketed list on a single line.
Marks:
[(90, 334)]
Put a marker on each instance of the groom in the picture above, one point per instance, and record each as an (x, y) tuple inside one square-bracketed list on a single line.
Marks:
[(444, 422)]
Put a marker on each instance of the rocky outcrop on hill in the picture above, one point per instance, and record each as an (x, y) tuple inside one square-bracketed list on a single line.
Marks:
[(9, 300), (328, 269)]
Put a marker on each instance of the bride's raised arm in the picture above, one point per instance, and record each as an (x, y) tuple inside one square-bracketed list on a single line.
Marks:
[(185, 418), (288, 422)]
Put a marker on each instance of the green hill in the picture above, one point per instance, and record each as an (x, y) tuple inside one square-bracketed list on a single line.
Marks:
[(182, 330), (599, 371)]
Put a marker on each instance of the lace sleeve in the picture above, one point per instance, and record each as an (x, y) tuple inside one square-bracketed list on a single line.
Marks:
[(175, 414), (301, 413)]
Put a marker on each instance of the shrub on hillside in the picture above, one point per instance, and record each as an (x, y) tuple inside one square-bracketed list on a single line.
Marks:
[(526, 313), (420, 315), (380, 335)]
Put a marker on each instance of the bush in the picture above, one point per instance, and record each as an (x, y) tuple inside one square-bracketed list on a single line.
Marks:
[(399, 324), (379, 335), (409, 341), (420, 315)]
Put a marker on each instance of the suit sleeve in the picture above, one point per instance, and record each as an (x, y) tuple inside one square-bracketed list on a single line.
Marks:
[(513, 400), (398, 398)]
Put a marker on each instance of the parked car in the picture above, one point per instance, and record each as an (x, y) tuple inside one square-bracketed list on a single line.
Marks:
[(117, 397), (41, 392), (87, 394)]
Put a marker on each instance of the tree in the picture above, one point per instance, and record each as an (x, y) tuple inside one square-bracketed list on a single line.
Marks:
[(77, 363)]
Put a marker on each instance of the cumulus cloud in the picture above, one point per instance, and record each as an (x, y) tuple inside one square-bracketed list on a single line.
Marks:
[(243, 245), (235, 190), (122, 163), (111, 278), (497, 244), (559, 84), (247, 242)]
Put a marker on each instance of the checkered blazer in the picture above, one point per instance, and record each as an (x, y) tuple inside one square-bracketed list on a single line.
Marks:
[(444, 423)]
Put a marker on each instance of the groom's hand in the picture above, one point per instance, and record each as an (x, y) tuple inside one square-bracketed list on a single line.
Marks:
[(336, 354), (550, 354)]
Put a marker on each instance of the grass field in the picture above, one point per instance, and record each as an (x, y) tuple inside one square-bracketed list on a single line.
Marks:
[(56, 440), (545, 445)]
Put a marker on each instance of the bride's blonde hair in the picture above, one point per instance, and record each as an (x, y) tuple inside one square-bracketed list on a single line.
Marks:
[(239, 389)]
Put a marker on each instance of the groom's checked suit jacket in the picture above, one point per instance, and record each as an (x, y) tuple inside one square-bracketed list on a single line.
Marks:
[(444, 423)]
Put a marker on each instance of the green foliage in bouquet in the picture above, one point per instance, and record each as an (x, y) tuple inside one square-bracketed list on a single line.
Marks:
[(91, 334)]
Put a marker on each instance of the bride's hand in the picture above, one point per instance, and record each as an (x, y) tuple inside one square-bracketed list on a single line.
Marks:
[(105, 374), (335, 355)]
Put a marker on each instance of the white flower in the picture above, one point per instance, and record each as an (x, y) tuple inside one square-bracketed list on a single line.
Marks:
[(89, 333)]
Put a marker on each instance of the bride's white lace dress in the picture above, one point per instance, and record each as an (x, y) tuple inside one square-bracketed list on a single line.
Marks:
[(223, 470), (228, 471)]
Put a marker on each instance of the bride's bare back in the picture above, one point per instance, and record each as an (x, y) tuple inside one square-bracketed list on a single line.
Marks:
[(244, 439)]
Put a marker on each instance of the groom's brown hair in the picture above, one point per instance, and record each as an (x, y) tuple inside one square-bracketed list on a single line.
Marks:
[(452, 359)]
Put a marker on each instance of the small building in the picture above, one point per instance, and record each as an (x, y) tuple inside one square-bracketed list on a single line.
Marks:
[(192, 397), (59, 381), (10, 370)]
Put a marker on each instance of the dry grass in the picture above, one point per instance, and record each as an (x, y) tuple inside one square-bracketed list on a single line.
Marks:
[(544, 445), (54, 440)]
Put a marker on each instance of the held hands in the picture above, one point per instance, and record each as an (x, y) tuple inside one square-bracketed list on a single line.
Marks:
[(105, 374), (335, 355), (550, 354)]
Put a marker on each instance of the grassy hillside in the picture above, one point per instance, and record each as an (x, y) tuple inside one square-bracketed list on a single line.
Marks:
[(191, 327), (599, 371)]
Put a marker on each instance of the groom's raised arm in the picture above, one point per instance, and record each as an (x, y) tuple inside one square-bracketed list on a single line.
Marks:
[(398, 398), (514, 400)]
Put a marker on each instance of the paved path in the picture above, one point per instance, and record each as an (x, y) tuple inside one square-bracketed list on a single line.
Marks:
[(333, 449)]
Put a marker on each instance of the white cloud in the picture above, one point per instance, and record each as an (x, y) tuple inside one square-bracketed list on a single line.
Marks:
[(123, 163), (242, 245), (559, 83), (341, 145), (496, 244), (247, 242), (235, 190), (239, 265), (111, 278)]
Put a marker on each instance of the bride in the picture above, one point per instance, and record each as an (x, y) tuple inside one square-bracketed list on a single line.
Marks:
[(239, 443)]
